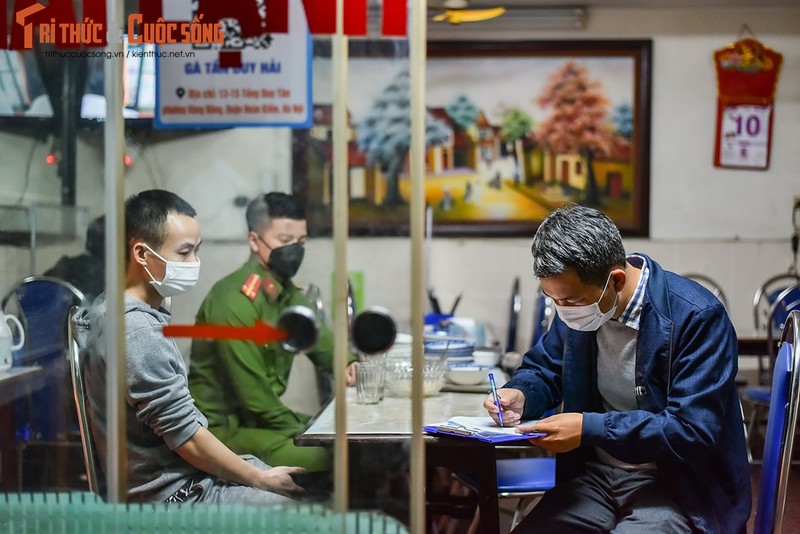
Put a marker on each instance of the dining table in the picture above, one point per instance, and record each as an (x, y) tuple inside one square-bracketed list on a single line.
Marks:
[(19, 381), (388, 423)]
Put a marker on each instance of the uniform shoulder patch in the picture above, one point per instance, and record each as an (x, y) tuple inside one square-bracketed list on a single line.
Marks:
[(271, 289), (250, 287)]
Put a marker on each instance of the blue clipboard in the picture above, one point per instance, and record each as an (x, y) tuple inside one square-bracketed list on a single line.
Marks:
[(487, 436)]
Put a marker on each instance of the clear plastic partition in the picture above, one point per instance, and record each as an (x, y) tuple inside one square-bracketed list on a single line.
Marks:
[(379, 421), (377, 293), (236, 356)]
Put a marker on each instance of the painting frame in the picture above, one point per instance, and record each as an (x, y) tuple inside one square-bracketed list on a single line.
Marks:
[(612, 172)]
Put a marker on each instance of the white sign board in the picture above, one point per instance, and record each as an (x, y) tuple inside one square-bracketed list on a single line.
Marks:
[(271, 88)]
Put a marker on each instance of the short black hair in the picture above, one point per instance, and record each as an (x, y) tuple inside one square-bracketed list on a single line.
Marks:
[(262, 209), (96, 237), (579, 238), (146, 216)]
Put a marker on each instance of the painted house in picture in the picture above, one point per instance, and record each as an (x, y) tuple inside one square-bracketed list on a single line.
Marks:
[(613, 171), (364, 180), (568, 170), (489, 141), (473, 146), (441, 157)]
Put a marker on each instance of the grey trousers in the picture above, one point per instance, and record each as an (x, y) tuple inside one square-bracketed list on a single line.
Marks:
[(216, 491), (607, 499)]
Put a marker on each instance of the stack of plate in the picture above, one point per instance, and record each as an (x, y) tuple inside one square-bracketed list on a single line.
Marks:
[(399, 351), (456, 351)]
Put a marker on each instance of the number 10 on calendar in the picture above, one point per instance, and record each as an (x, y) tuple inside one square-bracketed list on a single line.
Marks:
[(744, 136)]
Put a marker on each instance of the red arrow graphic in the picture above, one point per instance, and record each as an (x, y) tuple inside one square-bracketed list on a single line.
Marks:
[(260, 332)]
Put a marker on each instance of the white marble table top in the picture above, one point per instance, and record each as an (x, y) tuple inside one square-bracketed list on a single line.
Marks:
[(19, 381), (390, 418)]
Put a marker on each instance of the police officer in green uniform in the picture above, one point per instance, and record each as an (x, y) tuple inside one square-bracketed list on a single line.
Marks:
[(238, 384)]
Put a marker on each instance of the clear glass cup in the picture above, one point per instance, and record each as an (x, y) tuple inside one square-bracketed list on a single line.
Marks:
[(370, 379)]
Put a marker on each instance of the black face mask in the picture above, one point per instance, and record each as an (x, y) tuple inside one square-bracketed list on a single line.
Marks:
[(285, 261)]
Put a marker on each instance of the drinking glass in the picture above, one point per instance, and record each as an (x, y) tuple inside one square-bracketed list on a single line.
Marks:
[(369, 381)]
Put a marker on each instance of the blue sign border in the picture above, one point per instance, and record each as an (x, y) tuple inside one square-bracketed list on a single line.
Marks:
[(157, 124)]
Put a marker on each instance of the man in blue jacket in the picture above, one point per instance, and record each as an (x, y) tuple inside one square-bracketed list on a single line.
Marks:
[(650, 438)]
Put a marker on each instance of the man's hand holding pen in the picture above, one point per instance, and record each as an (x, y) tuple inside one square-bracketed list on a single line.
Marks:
[(512, 402)]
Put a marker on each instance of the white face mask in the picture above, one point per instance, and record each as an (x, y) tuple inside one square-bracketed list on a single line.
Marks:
[(179, 277), (587, 318)]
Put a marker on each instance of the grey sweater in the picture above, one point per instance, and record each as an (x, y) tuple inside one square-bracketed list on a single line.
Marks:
[(160, 412)]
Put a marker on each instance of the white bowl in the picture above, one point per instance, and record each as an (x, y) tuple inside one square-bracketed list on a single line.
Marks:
[(398, 380), (468, 375), (486, 357), (399, 372)]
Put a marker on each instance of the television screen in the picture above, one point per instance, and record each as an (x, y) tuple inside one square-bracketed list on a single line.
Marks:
[(22, 92)]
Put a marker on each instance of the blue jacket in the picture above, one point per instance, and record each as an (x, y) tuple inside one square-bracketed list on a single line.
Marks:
[(688, 419)]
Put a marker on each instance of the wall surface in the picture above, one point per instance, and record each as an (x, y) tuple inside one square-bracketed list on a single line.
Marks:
[(731, 225)]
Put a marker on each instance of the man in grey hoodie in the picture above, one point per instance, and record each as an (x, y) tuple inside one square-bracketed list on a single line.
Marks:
[(171, 455)]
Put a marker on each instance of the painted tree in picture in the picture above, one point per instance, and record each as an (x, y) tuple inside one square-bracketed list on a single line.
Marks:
[(622, 119), (463, 111), (464, 114), (514, 126), (578, 120), (384, 134)]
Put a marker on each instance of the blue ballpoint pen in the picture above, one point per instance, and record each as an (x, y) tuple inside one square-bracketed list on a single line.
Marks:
[(496, 399)]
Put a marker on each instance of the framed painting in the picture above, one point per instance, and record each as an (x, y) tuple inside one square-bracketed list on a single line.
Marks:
[(513, 131)]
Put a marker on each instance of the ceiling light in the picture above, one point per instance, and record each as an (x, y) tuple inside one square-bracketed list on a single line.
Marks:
[(551, 18)]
